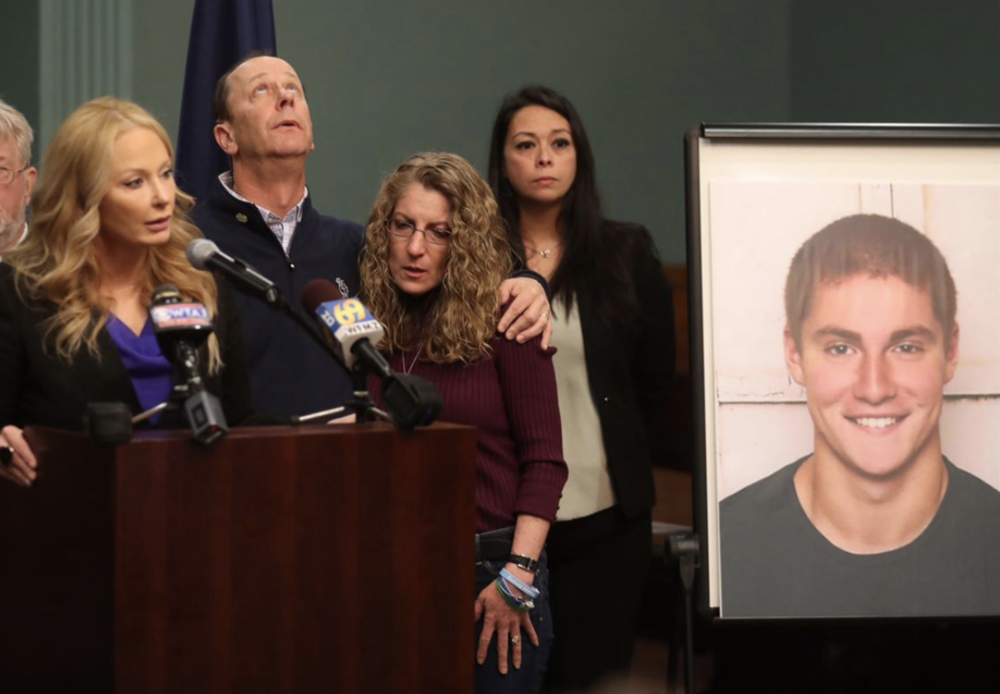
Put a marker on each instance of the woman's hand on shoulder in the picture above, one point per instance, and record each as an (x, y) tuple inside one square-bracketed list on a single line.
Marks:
[(17, 462), (527, 316)]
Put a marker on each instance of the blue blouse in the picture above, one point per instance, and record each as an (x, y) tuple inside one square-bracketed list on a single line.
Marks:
[(152, 375)]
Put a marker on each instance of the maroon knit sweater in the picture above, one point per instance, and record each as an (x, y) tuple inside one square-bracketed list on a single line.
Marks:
[(510, 397)]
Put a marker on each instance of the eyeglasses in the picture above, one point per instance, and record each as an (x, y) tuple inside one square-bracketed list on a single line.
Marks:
[(7, 175), (401, 229)]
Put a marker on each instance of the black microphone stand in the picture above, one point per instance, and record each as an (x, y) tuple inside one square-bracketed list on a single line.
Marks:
[(409, 398), (361, 405), (411, 401), (112, 422)]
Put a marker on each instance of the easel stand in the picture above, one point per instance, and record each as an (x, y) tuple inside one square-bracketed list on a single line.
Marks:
[(682, 550)]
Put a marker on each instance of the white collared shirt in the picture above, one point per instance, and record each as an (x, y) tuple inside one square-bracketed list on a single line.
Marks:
[(283, 227)]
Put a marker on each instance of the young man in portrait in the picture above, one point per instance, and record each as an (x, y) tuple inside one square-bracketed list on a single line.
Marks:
[(876, 521)]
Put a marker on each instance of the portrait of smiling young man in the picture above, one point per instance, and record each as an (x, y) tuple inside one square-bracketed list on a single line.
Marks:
[(876, 521)]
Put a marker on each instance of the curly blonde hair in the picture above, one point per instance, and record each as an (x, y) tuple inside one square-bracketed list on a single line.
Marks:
[(462, 319), (57, 261)]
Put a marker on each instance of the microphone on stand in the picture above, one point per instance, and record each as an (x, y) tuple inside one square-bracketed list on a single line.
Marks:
[(352, 333), (348, 331), (180, 329), (351, 329), (205, 255)]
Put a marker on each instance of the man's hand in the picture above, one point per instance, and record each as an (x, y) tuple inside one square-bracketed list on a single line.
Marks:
[(18, 462), (528, 313)]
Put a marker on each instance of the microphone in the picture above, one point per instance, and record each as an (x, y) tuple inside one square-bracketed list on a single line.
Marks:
[(180, 329), (111, 422), (205, 255), (412, 401), (352, 331)]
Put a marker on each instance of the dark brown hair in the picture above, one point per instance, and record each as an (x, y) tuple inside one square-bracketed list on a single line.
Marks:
[(595, 250), (872, 245)]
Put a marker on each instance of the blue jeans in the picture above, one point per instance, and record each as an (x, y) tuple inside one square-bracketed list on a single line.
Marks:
[(528, 679)]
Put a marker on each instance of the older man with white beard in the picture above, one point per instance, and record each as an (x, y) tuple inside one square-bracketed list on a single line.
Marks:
[(17, 176)]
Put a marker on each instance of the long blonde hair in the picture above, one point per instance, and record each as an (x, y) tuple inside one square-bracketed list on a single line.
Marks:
[(57, 261), (463, 318)]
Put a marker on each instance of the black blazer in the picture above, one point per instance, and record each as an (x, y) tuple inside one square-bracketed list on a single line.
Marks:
[(631, 369), (37, 387)]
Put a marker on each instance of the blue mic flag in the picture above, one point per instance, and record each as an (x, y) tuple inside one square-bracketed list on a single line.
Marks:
[(222, 33)]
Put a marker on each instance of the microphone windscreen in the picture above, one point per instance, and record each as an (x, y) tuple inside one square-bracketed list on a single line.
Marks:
[(200, 251), (318, 292)]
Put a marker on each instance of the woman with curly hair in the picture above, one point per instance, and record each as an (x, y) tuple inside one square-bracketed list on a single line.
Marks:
[(613, 325), (108, 227), (434, 253)]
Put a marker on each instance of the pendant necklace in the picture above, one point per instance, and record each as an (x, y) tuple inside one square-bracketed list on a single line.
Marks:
[(545, 252)]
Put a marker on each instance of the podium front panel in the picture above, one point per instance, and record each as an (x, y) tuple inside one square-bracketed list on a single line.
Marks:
[(279, 560)]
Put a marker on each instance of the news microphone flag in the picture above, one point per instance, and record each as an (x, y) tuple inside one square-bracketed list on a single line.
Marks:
[(222, 33), (349, 321), (190, 316)]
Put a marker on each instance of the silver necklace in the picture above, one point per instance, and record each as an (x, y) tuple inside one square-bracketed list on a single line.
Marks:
[(545, 252), (416, 357)]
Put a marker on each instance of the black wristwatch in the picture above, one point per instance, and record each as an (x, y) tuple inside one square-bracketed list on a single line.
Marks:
[(526, 563)]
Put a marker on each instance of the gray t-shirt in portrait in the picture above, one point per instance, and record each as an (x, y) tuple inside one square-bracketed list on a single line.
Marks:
[(776, 564)]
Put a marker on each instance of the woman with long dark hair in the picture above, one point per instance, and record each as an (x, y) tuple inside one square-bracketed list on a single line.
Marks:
[(613, 327)]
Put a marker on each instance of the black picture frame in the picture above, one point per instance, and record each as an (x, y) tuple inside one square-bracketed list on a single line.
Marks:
[(754, 146)]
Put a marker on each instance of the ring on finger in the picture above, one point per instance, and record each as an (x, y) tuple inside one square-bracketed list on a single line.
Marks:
[(6, 455), (515, 639)]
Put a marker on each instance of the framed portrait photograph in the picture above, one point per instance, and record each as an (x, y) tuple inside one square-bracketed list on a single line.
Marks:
[(845, 320)]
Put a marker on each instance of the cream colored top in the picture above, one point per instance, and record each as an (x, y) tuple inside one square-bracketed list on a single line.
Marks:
[(588, 489)]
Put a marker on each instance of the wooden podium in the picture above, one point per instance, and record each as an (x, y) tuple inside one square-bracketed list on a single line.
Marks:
[(325, 559)]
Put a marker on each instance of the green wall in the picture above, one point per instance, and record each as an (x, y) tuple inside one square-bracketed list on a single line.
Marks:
[(896, 61), (387, 79), (19, 83)]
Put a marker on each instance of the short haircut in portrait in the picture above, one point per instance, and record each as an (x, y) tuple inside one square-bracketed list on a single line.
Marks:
[(773, 243), (871, 245)]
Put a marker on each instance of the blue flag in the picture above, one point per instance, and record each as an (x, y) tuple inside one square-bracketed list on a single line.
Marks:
[(222, 33)]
